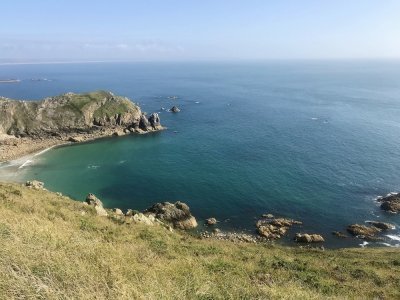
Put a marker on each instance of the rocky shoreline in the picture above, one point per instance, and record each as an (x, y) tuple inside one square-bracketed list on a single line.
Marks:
[(267, 229)]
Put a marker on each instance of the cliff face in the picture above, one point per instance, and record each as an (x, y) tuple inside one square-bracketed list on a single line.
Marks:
[(73, 113)]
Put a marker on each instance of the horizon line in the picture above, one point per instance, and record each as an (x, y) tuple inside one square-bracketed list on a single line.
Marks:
[(193, 60)]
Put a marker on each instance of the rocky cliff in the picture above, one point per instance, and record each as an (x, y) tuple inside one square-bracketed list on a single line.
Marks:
[(73, 113)]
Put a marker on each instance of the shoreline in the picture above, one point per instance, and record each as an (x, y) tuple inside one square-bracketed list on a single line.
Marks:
[(13, 148), (21, 152)]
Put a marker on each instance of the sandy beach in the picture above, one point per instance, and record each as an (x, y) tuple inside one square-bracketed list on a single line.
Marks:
[(12, 148)]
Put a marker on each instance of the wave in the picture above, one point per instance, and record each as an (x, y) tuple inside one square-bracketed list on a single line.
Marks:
[(28, 162), (365, 243)]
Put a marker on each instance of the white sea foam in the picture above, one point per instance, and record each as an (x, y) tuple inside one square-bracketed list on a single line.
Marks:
[(28, 162), (391, 193), (365, 243), (393, 237), (93, 167), (43, 151), (314, 119), (390, 245), (197, 102)]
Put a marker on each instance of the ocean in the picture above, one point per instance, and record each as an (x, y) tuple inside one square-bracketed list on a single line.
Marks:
[(317, 141)]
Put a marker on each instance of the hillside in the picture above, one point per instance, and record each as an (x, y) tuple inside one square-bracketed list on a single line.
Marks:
[(57, 248)]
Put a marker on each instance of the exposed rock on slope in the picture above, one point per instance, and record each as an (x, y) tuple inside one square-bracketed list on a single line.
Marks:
[(92, 200), (72, 113), (177, 214)]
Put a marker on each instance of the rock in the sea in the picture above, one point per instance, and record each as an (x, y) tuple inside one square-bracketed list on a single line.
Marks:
[(174, 109), (381, 225), (92, 200), (177, 214), (308, 238), (274, 229), (154, 121), (34, 184), (390, 203), (339, 234), (211, 221), (363, 231)]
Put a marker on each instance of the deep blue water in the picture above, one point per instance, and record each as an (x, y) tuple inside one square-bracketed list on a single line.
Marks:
[(314, 141)]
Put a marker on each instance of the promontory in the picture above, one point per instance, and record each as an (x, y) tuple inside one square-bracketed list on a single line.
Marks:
[(31, 126)]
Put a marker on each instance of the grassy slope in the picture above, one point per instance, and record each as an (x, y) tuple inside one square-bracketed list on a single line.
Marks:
[(50, 250)]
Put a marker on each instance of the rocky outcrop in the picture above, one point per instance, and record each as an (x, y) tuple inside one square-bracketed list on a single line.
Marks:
[(154, 121), (177, 214), (143, 219), (34, 184), (274, 228), (76, 139), (211, 221), (235, 237), (174, 109), (339, 234), (362, 231), (144, 123), (72, 113), (92, 200), (390, 203), (118, 212), (381, 225), (308, 238)]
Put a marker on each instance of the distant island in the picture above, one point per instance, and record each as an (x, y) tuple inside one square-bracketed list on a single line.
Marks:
[(10, 80), (30, 126)]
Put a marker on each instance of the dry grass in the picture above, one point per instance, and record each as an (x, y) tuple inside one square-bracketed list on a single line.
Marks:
[(51, 250)]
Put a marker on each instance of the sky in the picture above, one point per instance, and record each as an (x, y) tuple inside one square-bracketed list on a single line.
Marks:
[(172, 30)]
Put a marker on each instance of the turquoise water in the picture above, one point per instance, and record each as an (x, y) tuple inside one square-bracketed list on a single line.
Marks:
[(314, 141)]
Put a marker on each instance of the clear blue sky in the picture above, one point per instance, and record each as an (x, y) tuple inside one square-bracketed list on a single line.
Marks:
[(198, 30)]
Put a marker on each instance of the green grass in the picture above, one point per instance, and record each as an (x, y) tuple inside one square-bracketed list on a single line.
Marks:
[(56, 248)]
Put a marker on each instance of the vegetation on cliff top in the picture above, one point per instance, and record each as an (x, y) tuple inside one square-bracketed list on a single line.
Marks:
[(56, 248), (66, 112)]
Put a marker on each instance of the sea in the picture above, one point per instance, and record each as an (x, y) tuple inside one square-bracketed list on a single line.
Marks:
[(316, 141)]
